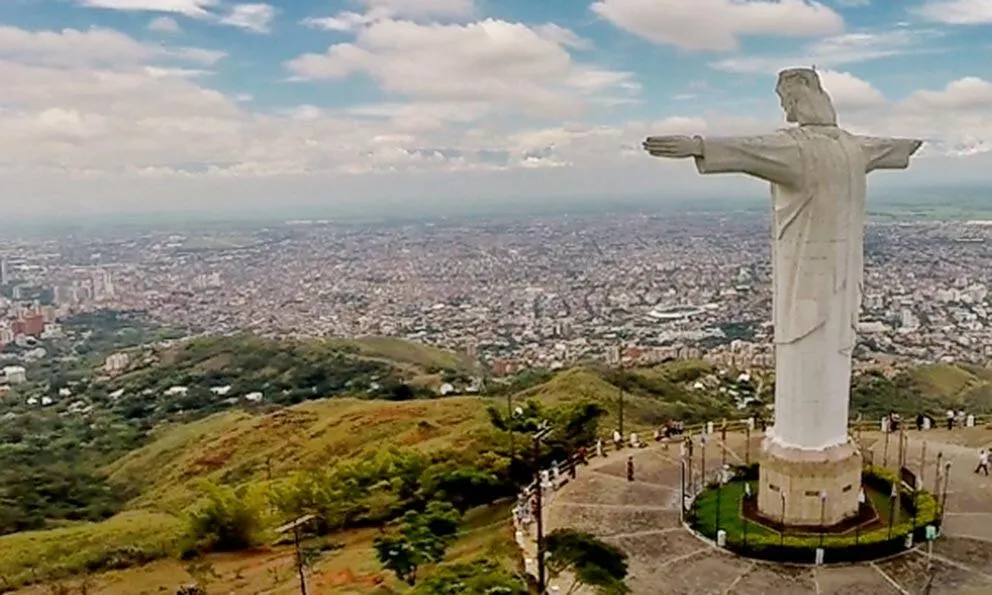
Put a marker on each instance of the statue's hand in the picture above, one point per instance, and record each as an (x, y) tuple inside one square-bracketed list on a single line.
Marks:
[(673, 147)]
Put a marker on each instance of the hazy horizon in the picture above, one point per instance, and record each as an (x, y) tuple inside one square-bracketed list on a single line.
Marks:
[(965, 197)]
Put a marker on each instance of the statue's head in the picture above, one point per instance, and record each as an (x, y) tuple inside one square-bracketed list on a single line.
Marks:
[(803, 98)]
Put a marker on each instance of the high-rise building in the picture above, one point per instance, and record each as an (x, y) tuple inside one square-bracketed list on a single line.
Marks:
[(4, 272), (908, 321)]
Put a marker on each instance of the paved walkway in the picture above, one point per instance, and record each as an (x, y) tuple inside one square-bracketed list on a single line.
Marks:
[(642, 518)]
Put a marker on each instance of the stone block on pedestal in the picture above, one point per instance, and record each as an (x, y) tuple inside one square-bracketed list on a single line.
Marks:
[(803, 477)]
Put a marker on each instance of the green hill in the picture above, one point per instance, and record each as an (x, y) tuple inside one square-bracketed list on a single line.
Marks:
[(337, 412), (237, 448)]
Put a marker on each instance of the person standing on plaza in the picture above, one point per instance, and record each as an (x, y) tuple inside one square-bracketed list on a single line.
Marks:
[(983, 462)]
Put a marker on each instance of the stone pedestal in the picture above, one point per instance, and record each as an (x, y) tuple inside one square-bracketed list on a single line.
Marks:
[(801, 475)]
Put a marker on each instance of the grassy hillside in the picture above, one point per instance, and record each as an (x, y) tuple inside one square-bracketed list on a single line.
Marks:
[(236, 447), (349, 568), (402, 351), (943, 380), (965, 387), (129, 539), (262, 446)]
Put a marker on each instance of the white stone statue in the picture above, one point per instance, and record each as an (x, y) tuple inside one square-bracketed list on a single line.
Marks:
[(818, 174)]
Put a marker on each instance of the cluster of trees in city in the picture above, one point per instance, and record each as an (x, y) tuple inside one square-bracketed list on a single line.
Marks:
[(418, 498), (104, 331)]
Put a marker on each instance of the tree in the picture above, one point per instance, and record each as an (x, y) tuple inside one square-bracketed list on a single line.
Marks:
[(228, 520), (591, 561), (421, 538), (463, 486)]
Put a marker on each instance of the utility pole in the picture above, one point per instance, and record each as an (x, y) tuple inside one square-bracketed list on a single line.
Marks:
[(509, 424), (299, 559), (620, 413), (541, 434)]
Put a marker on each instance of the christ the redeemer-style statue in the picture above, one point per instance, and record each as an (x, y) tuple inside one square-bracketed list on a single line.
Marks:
[(810, 473), (817, 173)]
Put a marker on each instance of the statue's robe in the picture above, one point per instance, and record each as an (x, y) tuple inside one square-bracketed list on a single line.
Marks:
[(818, 177)]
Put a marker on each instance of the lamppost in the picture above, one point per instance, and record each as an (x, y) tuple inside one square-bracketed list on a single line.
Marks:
[(723, 443), (509, 424), (861, 503), (823, 515), (936, 479), (902, 446), (719, 490), (747, 441), (885, 453), (943, 497), (782, 528), (747, 495), (893, 506), (923, 465), (542, 432), (620, 414), (690, 447), (916, 492), (702, 447)]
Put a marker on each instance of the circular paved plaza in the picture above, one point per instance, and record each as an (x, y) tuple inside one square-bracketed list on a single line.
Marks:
[(642, 518)]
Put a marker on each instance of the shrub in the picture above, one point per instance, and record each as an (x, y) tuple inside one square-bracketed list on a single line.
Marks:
[(228, 520)]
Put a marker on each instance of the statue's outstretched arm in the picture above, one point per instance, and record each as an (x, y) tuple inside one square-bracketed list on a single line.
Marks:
[(774, 157), (888, 153)]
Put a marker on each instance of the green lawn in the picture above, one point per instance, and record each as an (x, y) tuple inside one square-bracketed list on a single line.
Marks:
[(729, 518), (708, 515)]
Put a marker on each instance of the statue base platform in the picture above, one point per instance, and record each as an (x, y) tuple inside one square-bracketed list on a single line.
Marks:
[(791, 481)]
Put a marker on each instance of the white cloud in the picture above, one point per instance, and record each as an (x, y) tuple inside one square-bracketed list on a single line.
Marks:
[(251, 17), (957, 12), (849, 91), (255, 17), (344, 21), (422, 8), (164, 25), (834, 51), (508, 65), (955, 120), (718, 24), (95, 46), (100, 118), (380, 10), (968, 93), (190, 8)]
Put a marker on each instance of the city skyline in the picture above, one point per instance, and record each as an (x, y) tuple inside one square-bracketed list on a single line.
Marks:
[(544, 291), (190, 105)]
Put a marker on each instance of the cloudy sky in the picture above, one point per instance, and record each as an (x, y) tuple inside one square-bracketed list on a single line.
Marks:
[(130, 105)]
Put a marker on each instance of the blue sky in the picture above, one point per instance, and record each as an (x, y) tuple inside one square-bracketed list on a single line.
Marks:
[(122, 105)]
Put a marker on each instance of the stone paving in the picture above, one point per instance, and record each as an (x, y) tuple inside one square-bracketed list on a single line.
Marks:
[(642, 518)]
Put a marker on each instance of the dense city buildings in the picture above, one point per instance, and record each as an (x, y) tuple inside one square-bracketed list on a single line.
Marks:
[(515, 293)]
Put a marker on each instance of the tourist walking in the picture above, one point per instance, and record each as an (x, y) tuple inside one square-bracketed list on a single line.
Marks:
[(983, 462), (630, 468), (950, 419)]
